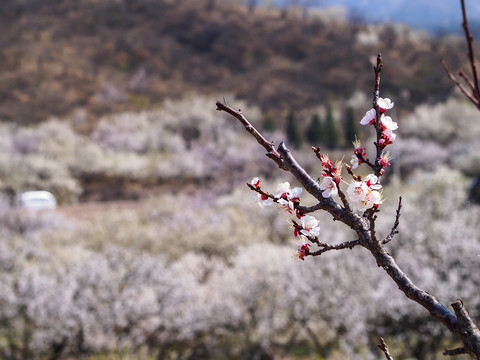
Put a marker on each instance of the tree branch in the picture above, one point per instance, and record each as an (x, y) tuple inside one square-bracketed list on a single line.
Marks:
[(395, 224), (271, 152), (470, 334), (460, 86), (376, 94), (460, 324), (327, 247), (312, 186), (457, 351), (467, 80), (384, 260), (471, 55), (383, 346), (371, 220), (309, 209), (428, 301), (474, 94)]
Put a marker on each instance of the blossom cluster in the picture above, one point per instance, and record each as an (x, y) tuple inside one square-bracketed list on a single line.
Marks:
[(363, 193), (289, 199), (332, 176), (386, 126), (386, 123), (286, 197)]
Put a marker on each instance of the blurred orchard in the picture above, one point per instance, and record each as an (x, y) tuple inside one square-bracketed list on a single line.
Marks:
[(195, 270)]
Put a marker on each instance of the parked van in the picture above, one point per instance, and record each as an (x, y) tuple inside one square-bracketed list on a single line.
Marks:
[(36, 200)]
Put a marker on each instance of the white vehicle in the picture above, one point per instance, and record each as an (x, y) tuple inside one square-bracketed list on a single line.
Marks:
[(36, 200)]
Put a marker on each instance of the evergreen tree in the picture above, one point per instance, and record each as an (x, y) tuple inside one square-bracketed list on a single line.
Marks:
[(293, 134), (315, 131), (351, 127), (332, 135), (269, 124)]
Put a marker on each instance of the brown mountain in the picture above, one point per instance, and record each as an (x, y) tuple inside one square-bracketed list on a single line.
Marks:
[(107, 55)]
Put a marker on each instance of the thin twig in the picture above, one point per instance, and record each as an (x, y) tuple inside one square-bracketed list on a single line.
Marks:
[(350, 171), (383, 346), (371, 219), (474, 94), (324, 246), (471, 55), (271, 152), (366, 161), (464, 91), (395, 224), (376, 94), (457, 351), (467, 80), (261, 192), (327, 247)]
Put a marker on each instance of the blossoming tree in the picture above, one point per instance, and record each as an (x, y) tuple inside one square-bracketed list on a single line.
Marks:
[(356, 204)]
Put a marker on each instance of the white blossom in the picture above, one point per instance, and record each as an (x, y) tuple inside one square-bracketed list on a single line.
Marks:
[(372, 181), (287, 205), (329, 186), (310, 226), (262, 200), (284, 191), (296, 192), (370, 115), (354, 162), (384, 104), (388, 122), (363, 195)]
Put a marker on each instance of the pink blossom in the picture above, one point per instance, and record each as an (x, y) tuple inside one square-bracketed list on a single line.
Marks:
[(302, 252), (299, 214), (384, 159), (326, 162), (388, 137), (336, 172), (359, 150)]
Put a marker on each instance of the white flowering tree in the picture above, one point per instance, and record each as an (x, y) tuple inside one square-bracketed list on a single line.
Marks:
[(356, 204)]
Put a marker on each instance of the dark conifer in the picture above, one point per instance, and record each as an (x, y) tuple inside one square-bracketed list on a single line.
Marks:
[(315, 131), (293, 134)]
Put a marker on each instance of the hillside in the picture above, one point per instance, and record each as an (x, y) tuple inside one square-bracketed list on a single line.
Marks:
[(106, 56)]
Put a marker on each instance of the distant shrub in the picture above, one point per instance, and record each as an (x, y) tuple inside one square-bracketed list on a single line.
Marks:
[(269, 124), (332, 134), (444, 123), (315, 132), (294, 136)]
